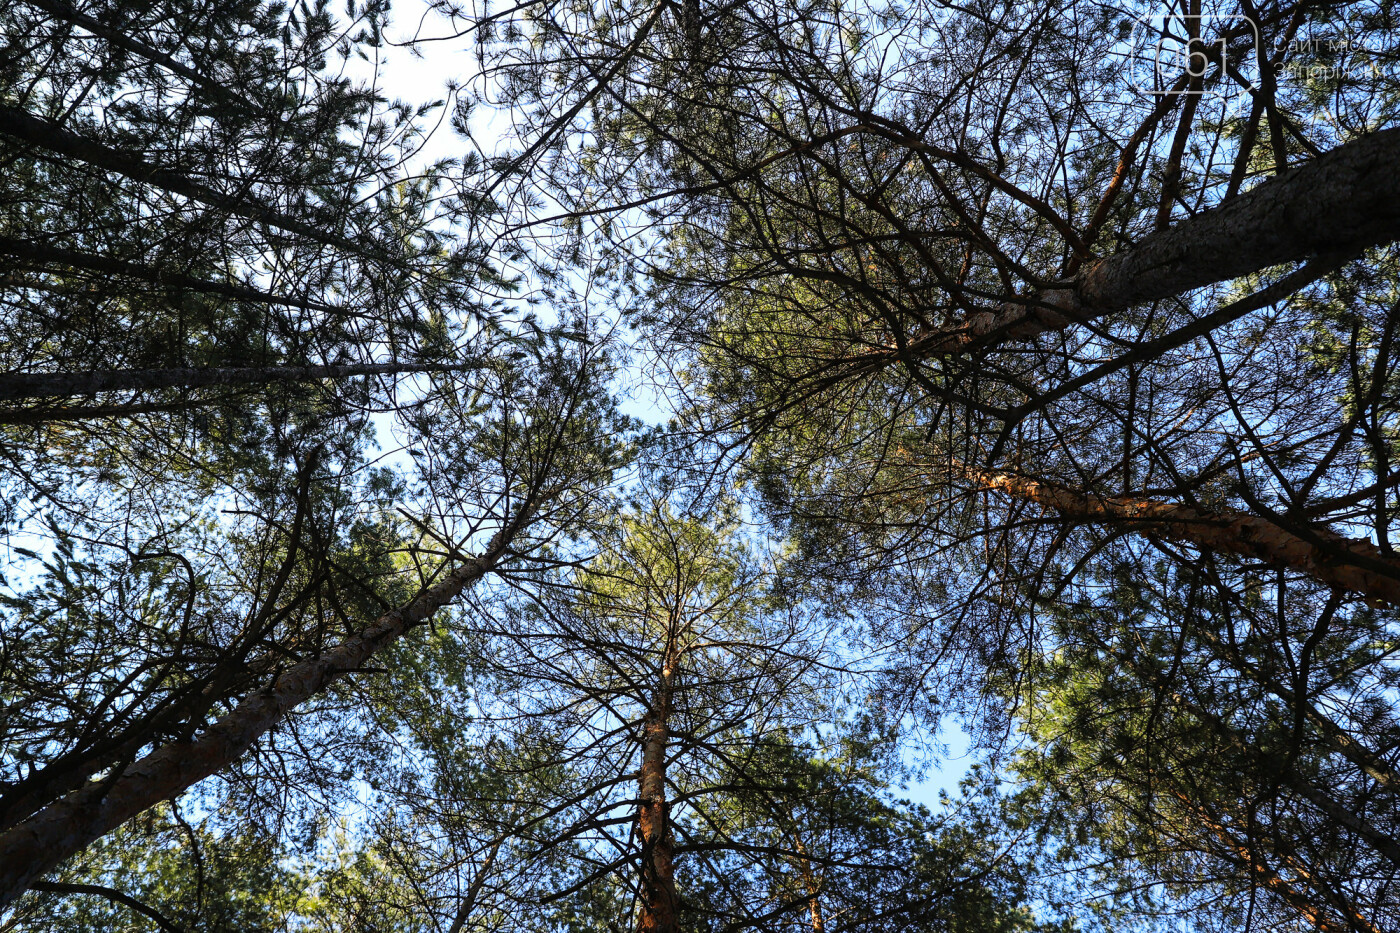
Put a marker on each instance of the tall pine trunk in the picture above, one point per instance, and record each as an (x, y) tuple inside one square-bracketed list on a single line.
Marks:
[(811, 883), (658, 883)]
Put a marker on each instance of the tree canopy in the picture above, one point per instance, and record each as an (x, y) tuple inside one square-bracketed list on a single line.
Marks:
[(1024, 368)]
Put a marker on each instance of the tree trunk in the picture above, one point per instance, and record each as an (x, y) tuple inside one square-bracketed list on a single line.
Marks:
[(818, 921), (811, 882), (1353, 566), (51, 385), (181, 711), (658, 883), (66, 826), (1341, 203)]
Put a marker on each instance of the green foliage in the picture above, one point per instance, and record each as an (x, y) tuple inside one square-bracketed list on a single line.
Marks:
[(1165, 737), (193, 876), (925, 460)]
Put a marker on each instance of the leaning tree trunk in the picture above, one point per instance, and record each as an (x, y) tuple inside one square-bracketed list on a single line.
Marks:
[(658, 912), (70, 823), (1345, 564), (1339, 204), (1357, 567)]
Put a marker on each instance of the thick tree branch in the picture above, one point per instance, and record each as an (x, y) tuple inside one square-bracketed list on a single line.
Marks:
[(131, 44), (1353, 566), (111, 894), (1339, 204)]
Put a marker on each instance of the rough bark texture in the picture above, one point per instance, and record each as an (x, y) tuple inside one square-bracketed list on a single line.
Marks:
[(1341, 203), (658, 912), (812, 883), (815, 908), (66, 826), (52, 385), (1353, 566)]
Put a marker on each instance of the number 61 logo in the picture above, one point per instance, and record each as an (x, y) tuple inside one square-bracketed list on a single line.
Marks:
[(1176, 53)]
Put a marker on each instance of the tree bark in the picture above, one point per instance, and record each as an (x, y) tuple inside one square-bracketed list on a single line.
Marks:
[(53, 385), (811, 882), (658, 884), (1341, 203), (66, 826), (1352, 566)]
